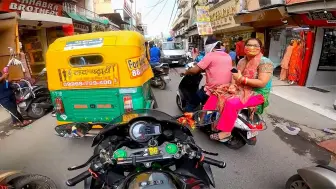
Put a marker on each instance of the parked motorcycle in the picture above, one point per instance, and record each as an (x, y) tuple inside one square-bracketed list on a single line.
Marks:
[(33, 100), (316, 177), (154, 149), (161, 76), (17, 179), (245, 130)]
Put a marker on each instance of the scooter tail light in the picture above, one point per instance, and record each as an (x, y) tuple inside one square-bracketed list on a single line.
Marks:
[(128, 103), (259, 126), (59, 106)]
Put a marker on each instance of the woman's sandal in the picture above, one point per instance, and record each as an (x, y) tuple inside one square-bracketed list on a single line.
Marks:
[(23, 123), (215, 136)]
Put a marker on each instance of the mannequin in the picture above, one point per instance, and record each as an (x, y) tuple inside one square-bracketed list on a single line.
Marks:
[(285, 61), (295, 63)]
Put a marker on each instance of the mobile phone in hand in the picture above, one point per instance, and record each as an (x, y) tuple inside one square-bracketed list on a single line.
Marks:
[(234, 70)]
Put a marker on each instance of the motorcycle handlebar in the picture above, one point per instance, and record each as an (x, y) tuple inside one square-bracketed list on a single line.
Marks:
[(210, 161), (79, 178)]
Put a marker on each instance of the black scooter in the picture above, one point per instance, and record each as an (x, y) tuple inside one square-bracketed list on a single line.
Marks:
[(33, 101), (245, 130), (161, 76)]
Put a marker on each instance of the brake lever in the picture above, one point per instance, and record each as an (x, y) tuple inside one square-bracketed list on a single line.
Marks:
[(84, 164), (201, 150)]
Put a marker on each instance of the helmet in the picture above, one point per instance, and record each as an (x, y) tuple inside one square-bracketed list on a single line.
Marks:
[(152, 180)]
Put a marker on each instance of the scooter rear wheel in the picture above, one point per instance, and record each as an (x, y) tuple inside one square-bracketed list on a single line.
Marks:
[(235, 143), (179, 103)]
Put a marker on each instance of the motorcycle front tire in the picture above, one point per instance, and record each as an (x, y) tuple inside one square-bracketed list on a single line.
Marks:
[(296, 181)]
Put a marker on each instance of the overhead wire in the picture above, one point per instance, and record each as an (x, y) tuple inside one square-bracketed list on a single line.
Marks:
[(175, 15), (171, 14), (160, 12), (160, 1)]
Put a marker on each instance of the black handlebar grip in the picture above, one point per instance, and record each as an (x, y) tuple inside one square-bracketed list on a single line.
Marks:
[(79, 178), (220, 164)]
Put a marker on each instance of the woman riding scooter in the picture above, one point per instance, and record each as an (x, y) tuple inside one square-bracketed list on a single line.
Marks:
[(250, 87)]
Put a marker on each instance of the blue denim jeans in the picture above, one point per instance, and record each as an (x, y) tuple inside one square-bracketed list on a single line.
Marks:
[(153, 64), (197, 99)]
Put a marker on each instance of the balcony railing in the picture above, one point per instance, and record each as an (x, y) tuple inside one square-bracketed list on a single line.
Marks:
[(69, 7)]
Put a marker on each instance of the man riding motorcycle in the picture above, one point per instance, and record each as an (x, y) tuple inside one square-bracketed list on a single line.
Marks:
[(217, 66)]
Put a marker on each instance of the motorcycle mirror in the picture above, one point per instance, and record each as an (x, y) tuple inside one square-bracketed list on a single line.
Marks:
[(73, 130), (205, 117)]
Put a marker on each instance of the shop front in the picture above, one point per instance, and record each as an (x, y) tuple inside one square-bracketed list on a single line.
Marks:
[(33, 22), (264, 20), (224, 26), (322, 67)]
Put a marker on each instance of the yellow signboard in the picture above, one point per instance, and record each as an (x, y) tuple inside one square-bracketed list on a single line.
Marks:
[(87, 77), (137, 66)]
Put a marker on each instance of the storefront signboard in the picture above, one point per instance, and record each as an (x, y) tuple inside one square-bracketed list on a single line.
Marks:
[(203, 20), (224, 14), (291, 2), (37, 6), (83, 77), (81, 27), (319, 18)]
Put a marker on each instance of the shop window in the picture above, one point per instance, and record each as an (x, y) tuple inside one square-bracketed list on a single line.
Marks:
[(86, 60), (328, 52)]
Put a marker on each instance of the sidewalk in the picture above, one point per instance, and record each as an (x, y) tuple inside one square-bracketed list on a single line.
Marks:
[(4, 115), (310, 110), (320, 102)]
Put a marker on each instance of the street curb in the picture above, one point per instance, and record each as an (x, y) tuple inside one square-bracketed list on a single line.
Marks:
[(319, 110)]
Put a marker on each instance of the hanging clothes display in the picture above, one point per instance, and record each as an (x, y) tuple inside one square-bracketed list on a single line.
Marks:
[(295, 63), (285, 62)]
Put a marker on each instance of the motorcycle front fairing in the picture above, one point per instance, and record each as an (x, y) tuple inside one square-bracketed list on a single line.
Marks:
[(318, 177), (203, 172)]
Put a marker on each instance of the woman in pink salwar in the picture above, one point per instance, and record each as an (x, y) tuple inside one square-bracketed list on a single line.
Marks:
[(250, 87), (285, 61)]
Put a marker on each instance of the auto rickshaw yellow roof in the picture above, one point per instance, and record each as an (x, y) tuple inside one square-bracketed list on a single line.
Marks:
[(120, 38)]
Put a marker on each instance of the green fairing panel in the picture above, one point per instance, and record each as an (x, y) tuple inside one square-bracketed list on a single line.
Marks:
[(91, 98)]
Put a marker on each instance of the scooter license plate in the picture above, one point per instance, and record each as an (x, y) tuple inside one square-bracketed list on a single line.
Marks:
[(166, 77), (251, 134), (174, 62)]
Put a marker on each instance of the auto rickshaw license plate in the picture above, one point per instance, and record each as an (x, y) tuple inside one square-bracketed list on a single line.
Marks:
[(129, 117), (153, 151)]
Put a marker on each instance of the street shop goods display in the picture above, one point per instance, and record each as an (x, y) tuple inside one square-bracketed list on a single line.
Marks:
[(291, 64)]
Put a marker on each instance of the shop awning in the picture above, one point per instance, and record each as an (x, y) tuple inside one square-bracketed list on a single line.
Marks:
[(266, 15), (43, 20), (115, 18), (100, 21), (77, 17)]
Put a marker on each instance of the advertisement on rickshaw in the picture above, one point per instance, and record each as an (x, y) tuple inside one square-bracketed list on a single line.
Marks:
[(86, 77)]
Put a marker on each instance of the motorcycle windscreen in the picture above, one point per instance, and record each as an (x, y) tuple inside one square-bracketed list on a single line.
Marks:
[(152, 180), (9, 39)]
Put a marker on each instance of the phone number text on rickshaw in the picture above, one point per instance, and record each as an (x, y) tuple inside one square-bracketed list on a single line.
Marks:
[(87, 83)]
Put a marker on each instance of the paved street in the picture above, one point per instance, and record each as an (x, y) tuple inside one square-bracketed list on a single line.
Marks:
[(267, 165)]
